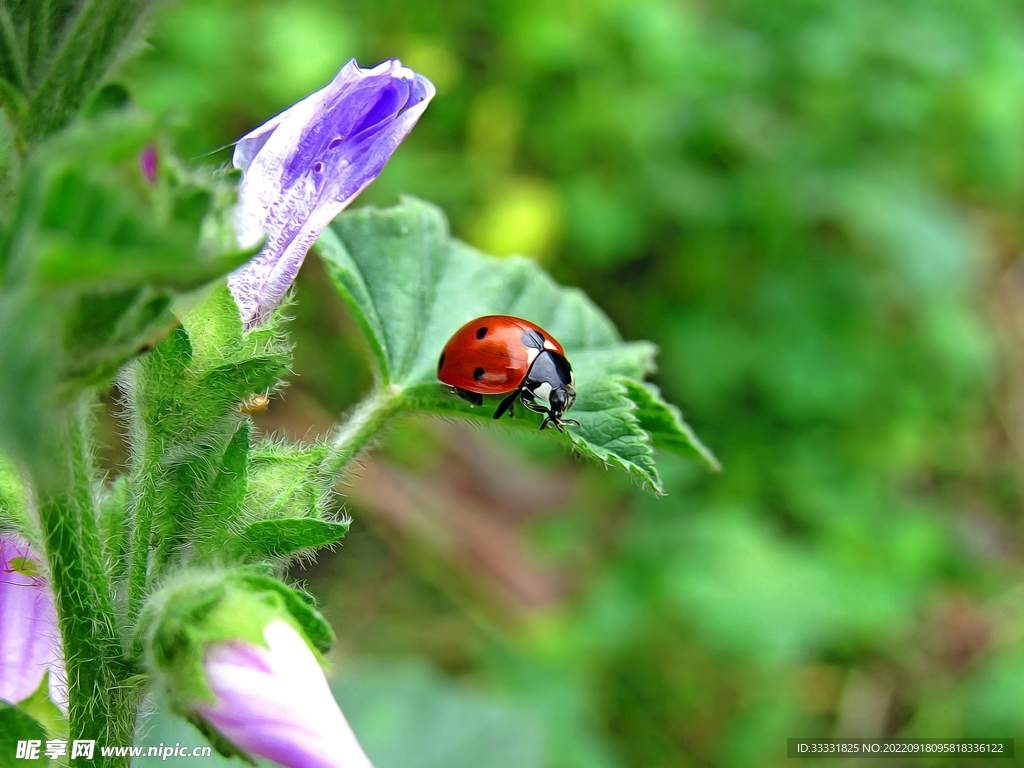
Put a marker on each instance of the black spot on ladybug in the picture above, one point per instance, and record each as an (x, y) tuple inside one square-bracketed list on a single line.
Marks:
[(481, 331), (440, 362), (532, 339), (478, 374)]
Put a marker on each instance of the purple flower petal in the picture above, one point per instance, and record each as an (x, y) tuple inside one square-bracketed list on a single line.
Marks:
[(303, 167), (29, 638), (149, 161), (274, 702)]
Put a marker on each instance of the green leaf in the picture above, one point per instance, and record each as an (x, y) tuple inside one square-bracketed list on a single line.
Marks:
[(664, 423), (286, 536), (93, 260), (13, 66), (42, 709), (15, 726), (285, 481), (57, 53), (13, 101), (218, 514), (229, 489), (110, 98), (275, 493), (301, 605), (609, 432), (411, 286)]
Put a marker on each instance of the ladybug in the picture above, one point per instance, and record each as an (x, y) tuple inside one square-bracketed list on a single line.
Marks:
[(499, 354)]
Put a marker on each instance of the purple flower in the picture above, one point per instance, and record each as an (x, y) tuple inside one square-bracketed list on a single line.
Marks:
[(274, 702), (29, 638), (303, 167), (148, 162)]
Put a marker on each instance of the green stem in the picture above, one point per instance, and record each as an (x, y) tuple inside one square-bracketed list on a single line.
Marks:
[(141, 498), (100, 705), (367, 420)]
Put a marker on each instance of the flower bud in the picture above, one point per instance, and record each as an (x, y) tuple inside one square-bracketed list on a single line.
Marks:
[(148, 161), (274, 701), (29, 637), (304, 166), (235, 662)]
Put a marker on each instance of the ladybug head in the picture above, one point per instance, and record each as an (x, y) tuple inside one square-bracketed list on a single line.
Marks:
[(552, 373), (560, 400)]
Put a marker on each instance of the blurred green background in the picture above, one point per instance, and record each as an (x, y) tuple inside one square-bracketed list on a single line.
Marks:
[(814, 208)]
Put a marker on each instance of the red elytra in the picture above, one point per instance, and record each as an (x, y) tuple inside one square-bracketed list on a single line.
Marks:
[(500, 354), (488, 356)]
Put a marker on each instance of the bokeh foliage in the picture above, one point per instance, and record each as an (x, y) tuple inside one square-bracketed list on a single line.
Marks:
[(812, 207)]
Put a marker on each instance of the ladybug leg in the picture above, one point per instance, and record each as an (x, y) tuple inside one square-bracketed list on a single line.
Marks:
[(532, 404), (560, 424), (549, 418), (473, 398), (537, 408), (508, 404)]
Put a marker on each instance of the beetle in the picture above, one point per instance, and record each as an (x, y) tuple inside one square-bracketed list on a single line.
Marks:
[(501, 354)]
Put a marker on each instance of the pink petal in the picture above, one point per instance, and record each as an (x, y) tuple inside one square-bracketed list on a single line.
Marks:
[(29, 637), (276, 703)]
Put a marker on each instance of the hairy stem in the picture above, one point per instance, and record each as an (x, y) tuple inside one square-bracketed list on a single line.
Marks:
[(142, 497), (100, 706), (366, 421)]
